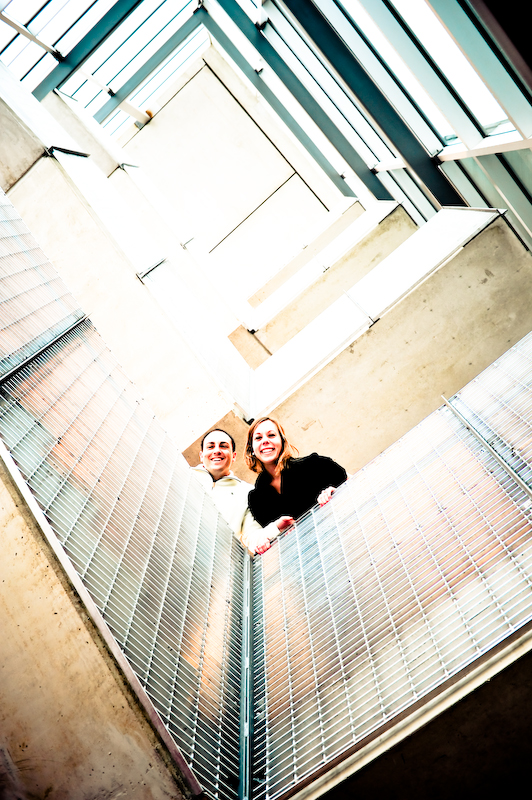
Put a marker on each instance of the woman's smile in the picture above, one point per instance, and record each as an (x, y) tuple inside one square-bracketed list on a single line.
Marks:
[(267, 443)]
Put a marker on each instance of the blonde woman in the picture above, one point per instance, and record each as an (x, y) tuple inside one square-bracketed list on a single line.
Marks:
[(287, 486)]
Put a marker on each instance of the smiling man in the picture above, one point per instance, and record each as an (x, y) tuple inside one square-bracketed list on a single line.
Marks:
[(229, 493)]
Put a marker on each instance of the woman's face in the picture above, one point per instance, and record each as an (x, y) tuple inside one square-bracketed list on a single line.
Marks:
[(267, 442)]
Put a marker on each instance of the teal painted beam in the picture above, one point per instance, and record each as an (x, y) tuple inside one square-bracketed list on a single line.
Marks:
[(373, 100), (84, 48), (150, 66), (236, 56)]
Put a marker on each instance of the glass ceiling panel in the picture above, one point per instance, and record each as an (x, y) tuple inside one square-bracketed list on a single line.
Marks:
[(24, 10), (127, 49), (143, 43), (190, 50), (128, 39), (58, 23), (39, 72), (398, 67), (56, 17), (6, 34), (84, 24), (450, 59), (63, 23), (325, 89)]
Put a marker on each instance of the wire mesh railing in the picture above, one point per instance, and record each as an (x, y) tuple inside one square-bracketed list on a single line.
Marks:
[(159, 561), (420, 564), (35, 305)]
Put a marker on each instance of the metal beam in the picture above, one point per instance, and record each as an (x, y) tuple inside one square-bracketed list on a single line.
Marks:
[(151, 64), (84, 48), (515, 196), (236, 56), (374, 101), (303, 97), (23, 31)]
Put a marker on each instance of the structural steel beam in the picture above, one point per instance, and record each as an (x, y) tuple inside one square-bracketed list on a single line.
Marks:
[(23, 31), (151, 64), (84, 48), (306, 100), (374, 101)]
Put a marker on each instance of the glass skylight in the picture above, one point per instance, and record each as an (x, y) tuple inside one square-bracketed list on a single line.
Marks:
[(399, 68), (454, 65)]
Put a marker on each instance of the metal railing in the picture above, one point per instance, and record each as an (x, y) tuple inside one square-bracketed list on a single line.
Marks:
[(421, 563), (160, 563)]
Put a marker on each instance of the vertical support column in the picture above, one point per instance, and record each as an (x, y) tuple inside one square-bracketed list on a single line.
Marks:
[(246, 696)]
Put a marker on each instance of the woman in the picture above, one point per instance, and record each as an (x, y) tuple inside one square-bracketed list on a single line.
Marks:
[(287, 487)]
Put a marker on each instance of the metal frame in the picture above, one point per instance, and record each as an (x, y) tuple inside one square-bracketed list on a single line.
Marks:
[(498, 458), (84, 48), (29, 359), (503, 143), (245, 788), (427, 73), (23, 31), (304, 139), (341, 107), (324, 31), (148, 67), (327, 40), (515, 198), (373, 62)]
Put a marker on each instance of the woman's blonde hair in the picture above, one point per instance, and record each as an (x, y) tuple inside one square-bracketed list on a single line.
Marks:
[(287, 451)]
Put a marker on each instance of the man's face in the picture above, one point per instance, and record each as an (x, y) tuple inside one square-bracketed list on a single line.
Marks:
[(217, 455)]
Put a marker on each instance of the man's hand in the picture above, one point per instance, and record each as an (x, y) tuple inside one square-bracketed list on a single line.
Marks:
[(261, 548), (326, 495)]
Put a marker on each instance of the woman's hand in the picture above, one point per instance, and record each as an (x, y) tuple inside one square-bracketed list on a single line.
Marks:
[(326, 495), (283, 523)]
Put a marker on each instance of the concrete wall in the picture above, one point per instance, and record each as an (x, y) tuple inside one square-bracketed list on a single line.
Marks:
[(210, 171), (339, 278), (19, 147), (102, 277), (71, 728), (433, 342), (235, 197)]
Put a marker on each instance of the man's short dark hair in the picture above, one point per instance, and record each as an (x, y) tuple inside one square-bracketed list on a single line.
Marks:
[(219, 430)]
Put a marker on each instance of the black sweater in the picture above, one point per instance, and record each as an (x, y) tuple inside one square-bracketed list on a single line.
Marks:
[(302, 480)]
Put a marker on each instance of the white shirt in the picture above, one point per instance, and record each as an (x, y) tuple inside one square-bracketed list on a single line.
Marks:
[(230, 496)]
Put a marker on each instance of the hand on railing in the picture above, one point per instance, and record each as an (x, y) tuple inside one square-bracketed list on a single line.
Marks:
[(282, 524), (326, 495)]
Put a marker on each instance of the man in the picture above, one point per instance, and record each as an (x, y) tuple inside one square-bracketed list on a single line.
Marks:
[(229, 493)]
